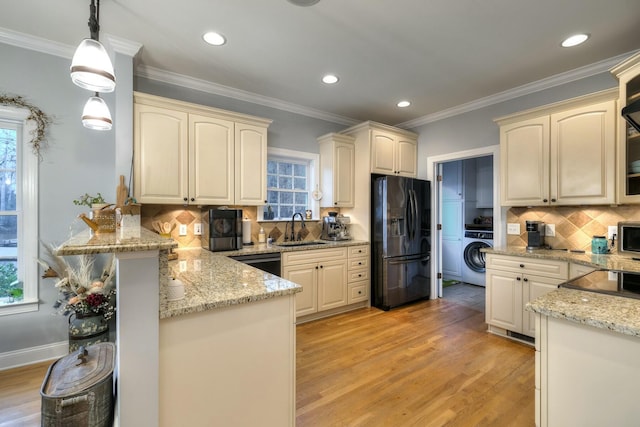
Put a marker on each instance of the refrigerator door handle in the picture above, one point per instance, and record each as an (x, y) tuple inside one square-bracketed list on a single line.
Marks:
[(409, 214), (407, 259), (414, 213)]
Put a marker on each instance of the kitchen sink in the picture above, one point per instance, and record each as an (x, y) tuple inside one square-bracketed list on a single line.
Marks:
[(308, 243)]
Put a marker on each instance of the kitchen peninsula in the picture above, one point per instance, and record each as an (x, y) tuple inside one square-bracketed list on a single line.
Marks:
[(231, 339), (587, 343)]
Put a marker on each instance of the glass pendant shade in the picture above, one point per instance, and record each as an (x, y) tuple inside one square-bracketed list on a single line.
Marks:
[(96, 114), (91, 67)]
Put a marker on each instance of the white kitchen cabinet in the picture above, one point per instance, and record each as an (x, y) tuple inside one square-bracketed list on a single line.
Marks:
[(452, 232), (337, 170), (628, 75), (322, 273), (393, 154), (452, 181), (511, 283), (190, 154), (484, 182), (562, 154), (358, 281), (576, 270)]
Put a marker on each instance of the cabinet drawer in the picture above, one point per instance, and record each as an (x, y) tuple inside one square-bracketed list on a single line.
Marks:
[(355, 251), (546, 268), (358, 263), (358, 291), (303, 257), (356, 275)]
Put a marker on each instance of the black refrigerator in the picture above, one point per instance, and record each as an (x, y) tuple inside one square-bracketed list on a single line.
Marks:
[(401, 230)]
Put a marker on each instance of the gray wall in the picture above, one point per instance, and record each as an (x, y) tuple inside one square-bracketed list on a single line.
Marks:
[(76, 160)]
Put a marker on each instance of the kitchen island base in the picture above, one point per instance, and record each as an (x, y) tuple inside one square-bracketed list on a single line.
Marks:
[(585, 376), (232, 366)]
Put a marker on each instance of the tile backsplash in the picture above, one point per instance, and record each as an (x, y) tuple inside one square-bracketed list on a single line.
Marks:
[(575, 225), (189, 215)]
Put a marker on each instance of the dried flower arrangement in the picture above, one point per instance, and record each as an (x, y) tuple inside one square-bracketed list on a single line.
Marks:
[(79, 290), (41, 119)]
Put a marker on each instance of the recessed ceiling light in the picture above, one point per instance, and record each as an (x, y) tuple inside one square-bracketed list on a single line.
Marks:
[(575, 40), (214, 38), (330, 79), (304, 2), (403, 104)]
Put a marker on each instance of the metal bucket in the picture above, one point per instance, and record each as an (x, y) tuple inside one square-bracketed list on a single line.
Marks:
[(78, 389), (85, 330)]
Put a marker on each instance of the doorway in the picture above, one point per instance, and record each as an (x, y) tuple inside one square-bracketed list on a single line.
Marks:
[(452, 212)]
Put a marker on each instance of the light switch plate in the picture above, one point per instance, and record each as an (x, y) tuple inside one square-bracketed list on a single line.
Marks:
[(611, 230), (197, 229), (183, 229), (550, 230), (513, 228)]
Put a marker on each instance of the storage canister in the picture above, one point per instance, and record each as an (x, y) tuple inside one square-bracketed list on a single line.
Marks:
[(599, 245), (78, 388)]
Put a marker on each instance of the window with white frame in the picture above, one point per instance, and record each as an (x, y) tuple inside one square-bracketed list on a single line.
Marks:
[(18, 213), (291, 178)]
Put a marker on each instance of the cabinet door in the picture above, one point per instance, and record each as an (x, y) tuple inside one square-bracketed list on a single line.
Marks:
[(452, 181), (211, 157), (250, 165), (532, 288), (383, 153), (160, 155), (583, 155), (407, 157), (452, 259), (305, 275), (484, 182), (524, 158), (504, 300), (332, 284), (343, 175)]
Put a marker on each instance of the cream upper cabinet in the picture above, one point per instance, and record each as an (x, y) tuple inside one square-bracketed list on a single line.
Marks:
[(562, 154), (161, 154), (190, 154), (337, 170), (628, 75), (393, 154)]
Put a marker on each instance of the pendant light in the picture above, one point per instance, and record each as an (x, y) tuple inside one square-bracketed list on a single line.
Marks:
[(96, 114), (91, 67)]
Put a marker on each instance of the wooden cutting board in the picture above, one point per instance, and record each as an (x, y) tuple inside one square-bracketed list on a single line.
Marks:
[(121, 193)]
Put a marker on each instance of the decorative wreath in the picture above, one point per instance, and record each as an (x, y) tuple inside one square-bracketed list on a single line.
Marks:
[(37, 115)]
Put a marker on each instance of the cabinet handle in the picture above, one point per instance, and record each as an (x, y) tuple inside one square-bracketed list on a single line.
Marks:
[(193, 199), (518, 279), (521, 265), (265, 202), (322, 266), (545, 200), (525, 279), (359, 292), (316, 267), (185, 199), (553, 200), (359, 275), (335, 203), (359, 263)]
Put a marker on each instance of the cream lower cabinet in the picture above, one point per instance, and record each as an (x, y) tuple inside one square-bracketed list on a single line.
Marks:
[(191, 154), (323, 276), (560, 155), (358, 282), (511, 283)]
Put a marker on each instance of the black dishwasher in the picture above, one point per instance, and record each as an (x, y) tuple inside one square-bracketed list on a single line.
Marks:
[(269, 262)]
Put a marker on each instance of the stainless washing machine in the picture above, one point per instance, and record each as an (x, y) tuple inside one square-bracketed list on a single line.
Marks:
[(473, 267)]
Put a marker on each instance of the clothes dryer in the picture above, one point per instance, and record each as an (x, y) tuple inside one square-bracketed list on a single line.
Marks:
[(474, 266)]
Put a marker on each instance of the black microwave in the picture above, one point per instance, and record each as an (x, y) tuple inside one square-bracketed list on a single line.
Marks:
[(629, 237), (222, 230)]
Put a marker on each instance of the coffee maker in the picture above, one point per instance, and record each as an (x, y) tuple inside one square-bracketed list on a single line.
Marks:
[(535, 235), (335, 227)]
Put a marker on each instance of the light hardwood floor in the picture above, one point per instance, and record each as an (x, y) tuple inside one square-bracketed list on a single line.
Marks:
[(430, 363)]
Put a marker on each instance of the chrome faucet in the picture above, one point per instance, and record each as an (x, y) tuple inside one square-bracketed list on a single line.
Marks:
[(293, 225)]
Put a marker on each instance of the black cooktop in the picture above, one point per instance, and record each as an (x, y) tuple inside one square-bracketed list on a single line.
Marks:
[(619, 283)]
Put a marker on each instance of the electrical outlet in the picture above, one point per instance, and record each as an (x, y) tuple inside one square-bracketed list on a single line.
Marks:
[(197, 229), (197, 264), (513, 228), (182, 265), (611, 231), (183, 229), (550, 230)]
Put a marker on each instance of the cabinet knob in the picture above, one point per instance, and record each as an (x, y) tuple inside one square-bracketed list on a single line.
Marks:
[(316, 267), (360, 275), (521, 265), (335, 203), (518, 279), (359, 292), (185, 199), (359, 263), (545, 200), (525, 279), (322, 266), (265, 202), (553, 200), (193, 199)]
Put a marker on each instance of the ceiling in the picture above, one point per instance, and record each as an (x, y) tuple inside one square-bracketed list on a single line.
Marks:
[(438, 54)]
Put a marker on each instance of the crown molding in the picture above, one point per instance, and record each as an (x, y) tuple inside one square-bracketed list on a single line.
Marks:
[(157, 74), (39, 44), (529, 88), (123, 46)]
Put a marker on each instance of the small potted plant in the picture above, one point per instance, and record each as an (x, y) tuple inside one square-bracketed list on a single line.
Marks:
[(93, 202)]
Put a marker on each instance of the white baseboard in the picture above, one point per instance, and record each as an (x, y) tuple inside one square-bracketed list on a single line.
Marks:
[(27, 356)]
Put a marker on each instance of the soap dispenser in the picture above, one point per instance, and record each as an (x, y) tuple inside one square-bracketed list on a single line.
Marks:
[(261, 236)]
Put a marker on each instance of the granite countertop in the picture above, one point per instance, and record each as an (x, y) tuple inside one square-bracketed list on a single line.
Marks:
[(602, 311), (263, 248), (612, 261), (214, 281), (123, 240)]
